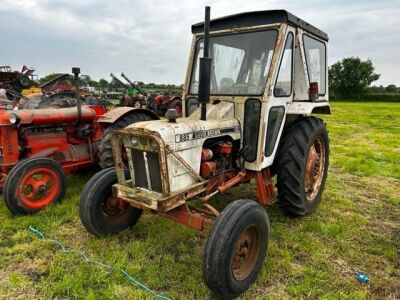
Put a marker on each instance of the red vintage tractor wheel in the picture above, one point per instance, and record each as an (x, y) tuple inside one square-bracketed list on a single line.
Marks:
[(34, 184), (38, 188)]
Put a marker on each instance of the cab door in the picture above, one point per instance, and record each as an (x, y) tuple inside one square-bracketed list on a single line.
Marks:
[(281, 95)]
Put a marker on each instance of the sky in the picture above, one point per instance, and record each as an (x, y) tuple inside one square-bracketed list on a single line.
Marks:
[(150, 40)]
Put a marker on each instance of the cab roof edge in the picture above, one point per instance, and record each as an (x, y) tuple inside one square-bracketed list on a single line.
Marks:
[(256, 18)]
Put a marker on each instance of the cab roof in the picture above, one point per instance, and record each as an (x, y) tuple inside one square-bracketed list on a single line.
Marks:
[(256, 18)]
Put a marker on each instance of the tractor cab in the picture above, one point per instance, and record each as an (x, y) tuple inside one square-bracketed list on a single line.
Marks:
[(265, 70), (267, 65)]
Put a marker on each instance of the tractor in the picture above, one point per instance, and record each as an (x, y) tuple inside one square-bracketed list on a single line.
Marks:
[(252, 84), (39, 146), (161, 102), (133, 96), (15, 81)]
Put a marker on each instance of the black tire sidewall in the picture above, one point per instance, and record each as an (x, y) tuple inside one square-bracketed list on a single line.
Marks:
[(247, 220), (217, 264), (95, 192)]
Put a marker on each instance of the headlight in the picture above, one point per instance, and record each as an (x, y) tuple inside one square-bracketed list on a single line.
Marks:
[(134, 141), (14, 119), (153, 145)]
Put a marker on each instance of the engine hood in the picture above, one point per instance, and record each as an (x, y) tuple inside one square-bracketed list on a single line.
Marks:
[(191, 132), (187, 133)]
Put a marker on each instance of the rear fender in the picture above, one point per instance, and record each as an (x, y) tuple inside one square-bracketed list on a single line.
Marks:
[(305, 108), (113, 115)]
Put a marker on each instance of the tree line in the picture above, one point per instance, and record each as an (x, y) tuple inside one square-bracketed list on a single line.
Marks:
[(105, 85), (351, 79)]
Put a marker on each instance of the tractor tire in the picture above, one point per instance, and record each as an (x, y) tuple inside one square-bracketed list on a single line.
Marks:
[(105, 154), (99, 211), (302, 166), (177, 105), (236, 248), (137, 103), (34, 184), (24, 81)]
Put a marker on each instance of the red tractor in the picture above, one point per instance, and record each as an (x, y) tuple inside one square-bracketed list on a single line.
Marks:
[(14, 80), (38, 147), (160, 103)]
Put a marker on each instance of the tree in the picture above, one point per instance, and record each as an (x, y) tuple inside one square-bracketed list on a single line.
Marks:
[(349, 78), (103, 83), (391, 88), (50, 77)]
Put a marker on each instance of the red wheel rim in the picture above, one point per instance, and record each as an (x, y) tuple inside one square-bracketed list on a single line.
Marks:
[(178, 108), (38, 188)]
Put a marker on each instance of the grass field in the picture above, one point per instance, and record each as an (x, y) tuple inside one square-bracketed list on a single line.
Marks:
[(355, 228)]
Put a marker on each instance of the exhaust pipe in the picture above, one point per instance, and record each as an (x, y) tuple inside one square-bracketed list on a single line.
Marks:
[(205, 68), (76, 72)]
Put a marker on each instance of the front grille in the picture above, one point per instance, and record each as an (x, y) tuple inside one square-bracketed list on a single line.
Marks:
[(146, 168)]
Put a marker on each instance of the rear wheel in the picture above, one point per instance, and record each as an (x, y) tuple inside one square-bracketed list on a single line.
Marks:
[(99, 211), (137, 103), (105, 150), (34, 184), (302, 166), (24, 81), (236, 248)]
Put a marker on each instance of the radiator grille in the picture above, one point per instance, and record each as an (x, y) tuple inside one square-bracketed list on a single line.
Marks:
[(146, 167)]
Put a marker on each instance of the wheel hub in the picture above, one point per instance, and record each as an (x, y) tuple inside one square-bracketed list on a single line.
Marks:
[(246, 253), (38, 188), (42, 189), (114, 209)]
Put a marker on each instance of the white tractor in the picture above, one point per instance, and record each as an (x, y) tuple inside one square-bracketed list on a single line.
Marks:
[(252, 82)]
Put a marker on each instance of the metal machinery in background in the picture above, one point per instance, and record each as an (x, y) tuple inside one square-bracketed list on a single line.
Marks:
[(39, 146)]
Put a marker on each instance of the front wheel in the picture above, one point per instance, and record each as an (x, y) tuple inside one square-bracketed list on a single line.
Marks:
[(236, 248), (100, 212), (34, 184)]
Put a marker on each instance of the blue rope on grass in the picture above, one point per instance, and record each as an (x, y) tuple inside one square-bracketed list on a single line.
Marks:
[(96, 262)]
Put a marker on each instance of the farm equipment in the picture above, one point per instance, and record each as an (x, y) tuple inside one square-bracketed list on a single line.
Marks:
[(252, 82), (133, 97), (14, 80), (161, 102), (40, 146)]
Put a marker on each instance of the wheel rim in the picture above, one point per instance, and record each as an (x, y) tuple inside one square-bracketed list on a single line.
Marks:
[(38, 188), (246, 252), (137, 104), (114, 210), (315, 167)]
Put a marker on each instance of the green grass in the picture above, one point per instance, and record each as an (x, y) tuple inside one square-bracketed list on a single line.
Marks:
[(355, 228)]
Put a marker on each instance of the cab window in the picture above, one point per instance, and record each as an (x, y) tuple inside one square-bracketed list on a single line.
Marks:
[(316, 62), (283, 85)]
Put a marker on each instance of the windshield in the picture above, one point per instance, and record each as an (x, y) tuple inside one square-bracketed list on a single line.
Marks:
[(240, 62)]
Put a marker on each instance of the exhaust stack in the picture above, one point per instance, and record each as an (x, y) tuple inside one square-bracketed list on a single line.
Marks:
[(205, 68), (76, 72)]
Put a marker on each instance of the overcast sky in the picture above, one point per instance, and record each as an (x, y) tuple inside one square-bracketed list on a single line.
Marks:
[(150, 40)]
